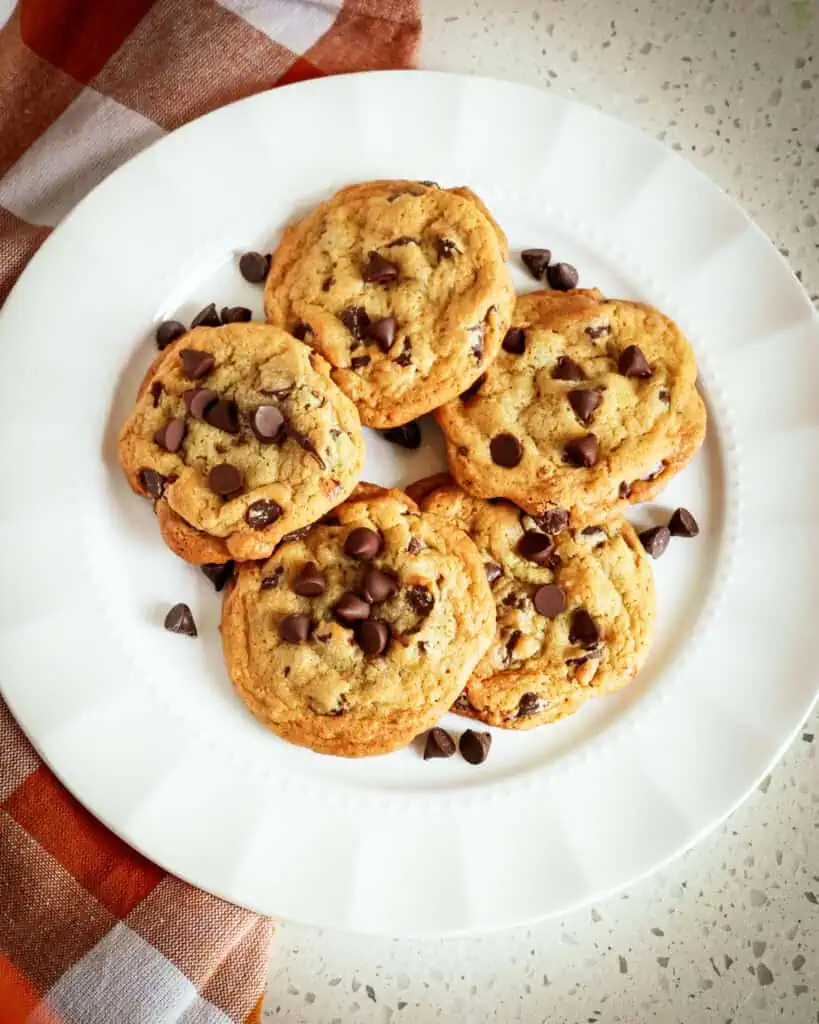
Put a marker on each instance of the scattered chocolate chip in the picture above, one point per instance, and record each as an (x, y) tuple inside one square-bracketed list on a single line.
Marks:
[(171, 435), (492, 571), (420, 600), (553, 520), (358, 361), (218, 573), (152, 482), (408, 435), (300, 331), (506, 450), (196, 364), (327, 284), (537, 260), (583, 629), (266, 422), (304, 442), (223, 415), (535, 547), (515, 341), (445, 248), (207, 317), (262, 513), (529, 704), (414, 546), (378, 586), (168, 331), (268, 582), (632, 363), (623, 489), (310, 581), (664, 396), (382, 332), (584, 402), (655, 540), (180, 620), (253, 267), (439, 744), (473, 389), (378, 270), (372, 637), (356, 320), (225, 480), (595, 331), (156, 392), (549, 600), (235, 314), (363, 543), (474, 746), (197, 401), (683, 524), (295, 629), (581, 451), (405, 358), (567, 369), (562, 276)]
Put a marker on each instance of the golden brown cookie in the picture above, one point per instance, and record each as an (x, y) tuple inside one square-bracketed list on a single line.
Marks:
[(575, 609), (355, 637), (591, 405), (402, 287), (241, 437)]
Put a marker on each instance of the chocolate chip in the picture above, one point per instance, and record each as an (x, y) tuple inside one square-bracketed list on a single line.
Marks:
[(358, 361), (372, 637), (408, 435), (300, 331), (378, 270), (665, 396), (430, 184), (196, 364), (506, 450), (271, 581), (171, 435), (598, 330), (223, 415), (266, 422), (382, 332), (582, 451), (562, 276), (253, 267), (225, 480), (510, 644), (218, 573), (655, 540), (168, 331), (327, 284), (356, 320), (295, 629), (515, 341), (294, 535), (420, 600), (414, 546), (445, 248), (553, 520), (584, 402), (583, 629), (632, 363), (492, 571), (207, 317), (262, 513), (529, 704), (535, 547), (405, 358), (304, 442), (156, 392), (567, 369), (549, 600), (595, 652), (475, 332), (439, 744), (537, 260), (310, 581), (473, 389), (462, 703), (152, 482), (474, 746), (623, 489), (235, 314), (378, 586), (180, 620), (683, 524), (362, 543)]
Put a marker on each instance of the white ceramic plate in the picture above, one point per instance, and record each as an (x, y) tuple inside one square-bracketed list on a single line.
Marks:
[(143, 725)]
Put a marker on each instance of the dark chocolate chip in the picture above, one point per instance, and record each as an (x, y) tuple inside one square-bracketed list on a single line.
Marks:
[(196, 364), (595, 331), (473, 388), (294, 535), (378, 586), (595, 652), (372, 637), (549, 600), (445, 248), (295, 629), (405, 358), (506, 450), (582, 451), (515, 341), (310, 581), (553, 520), (529, 704), (262, 513), (358, 361), (300, 331), (304, 442), (235, 314), (168, 331), (382, 332), (408, 435), (584, 402), (632, 363), (171, 435), (156, 392), (474, 746), (583, 629), (655, 540), (253, 267), (475, 333), (562, 276), (266, 422), (271, 581), (207, 317), (492, 571), (537, 260), (218, 573), (414, 546), (378, 270), (225, 480), (420, 600), (198, 400), (223, 415), (623, 489), (180, 620), (567, 369), (683, 524), (665, 396), (363, 543), (511, 642), (462, 703), (439, 744), (356, 320), (535, 547), (327, 284), (152, 482)]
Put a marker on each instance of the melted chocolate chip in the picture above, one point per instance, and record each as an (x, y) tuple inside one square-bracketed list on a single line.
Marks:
[(156, 392), (356, 320), (493, 572), (529, 704), (420, 599), (262, 513), (535, 547), (408, 435), (553, 520), (152, 482), (358, 361)]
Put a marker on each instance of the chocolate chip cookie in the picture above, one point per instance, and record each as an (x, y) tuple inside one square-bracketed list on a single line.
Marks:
[(591, 405), (355, 637), (575, 608), (402, 287), (240, 436)]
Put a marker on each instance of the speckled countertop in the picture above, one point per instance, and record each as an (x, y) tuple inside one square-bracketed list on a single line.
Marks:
[(729, 932)]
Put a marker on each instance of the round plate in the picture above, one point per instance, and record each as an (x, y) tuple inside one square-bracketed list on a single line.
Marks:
[(143, 726)]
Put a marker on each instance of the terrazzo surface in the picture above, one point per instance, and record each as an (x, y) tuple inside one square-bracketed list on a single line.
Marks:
[(730, 931)]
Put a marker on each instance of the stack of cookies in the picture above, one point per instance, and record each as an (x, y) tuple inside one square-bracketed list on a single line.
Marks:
[(510, 590)]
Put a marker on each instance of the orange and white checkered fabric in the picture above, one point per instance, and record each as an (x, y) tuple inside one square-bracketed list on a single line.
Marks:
[(90, 931)]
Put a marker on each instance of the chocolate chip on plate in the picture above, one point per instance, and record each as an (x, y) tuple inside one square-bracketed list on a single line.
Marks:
[(553, 520), (168, 331), (223, 415), (408, 435), (655, 540), (266, 422), (562, 276), (537, 260), (152, 482), (535, 547), (262, 513), (253, 267), (310, 581), (363, 543), (207, 317), (493, 572), (515, 341), (439, 744), (180, 620), (235, 314), (198, 400), (584, 402), (378, 270), (474, 746), (196, 364), (350, 608), (506, 450), (218, 573), (225, 480), (171, 435), (567, 369), (549, 600), (295, 629), (583, 629), (378, 586), (382, 332), (632, 363), (582, 451), (372, 637), (683, 524)]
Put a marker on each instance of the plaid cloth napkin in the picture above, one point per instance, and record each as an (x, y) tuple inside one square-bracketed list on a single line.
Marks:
[(90, 931)]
